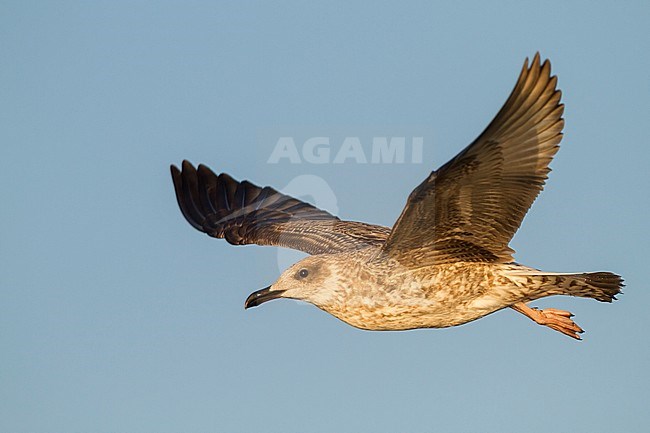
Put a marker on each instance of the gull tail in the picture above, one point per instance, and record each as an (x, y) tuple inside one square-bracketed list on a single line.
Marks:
[(602, 286)]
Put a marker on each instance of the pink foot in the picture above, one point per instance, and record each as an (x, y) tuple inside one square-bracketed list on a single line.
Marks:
[(558, 320)]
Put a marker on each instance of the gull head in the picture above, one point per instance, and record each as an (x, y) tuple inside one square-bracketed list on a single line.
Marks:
[(314, 279)]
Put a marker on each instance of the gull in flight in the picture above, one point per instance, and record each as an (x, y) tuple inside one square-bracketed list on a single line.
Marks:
[(446, 260)]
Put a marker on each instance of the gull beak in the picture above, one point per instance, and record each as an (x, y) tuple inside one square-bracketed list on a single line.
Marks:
[(261, 296)]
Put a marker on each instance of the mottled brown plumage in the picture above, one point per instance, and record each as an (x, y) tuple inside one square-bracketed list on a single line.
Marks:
[(446, 260)]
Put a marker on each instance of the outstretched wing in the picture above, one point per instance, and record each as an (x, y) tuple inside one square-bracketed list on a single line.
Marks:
[(470, 208), (244, 213)]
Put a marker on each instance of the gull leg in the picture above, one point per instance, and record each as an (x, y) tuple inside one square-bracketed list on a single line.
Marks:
[(558, 320)]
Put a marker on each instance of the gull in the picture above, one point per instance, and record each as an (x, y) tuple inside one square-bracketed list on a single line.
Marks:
[(446, 261)]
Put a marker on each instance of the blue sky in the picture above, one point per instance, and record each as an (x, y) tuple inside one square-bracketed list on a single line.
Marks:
[(117, 316)]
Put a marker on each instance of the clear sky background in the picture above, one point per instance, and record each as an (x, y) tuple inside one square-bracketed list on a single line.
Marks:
[(117, 316)]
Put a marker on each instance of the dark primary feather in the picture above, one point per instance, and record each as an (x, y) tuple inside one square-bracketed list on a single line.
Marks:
[(244, 213), (470, 208)]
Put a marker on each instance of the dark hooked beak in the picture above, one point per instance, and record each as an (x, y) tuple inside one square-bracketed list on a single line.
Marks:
[(261, 296)]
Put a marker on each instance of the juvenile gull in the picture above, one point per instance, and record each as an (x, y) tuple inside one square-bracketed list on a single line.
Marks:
[(446, 261)]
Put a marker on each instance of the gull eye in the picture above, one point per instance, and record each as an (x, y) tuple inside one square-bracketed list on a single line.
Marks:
[(303, 273)]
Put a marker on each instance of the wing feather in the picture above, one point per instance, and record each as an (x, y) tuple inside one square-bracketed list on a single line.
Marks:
[(244, 213), (471, 207)]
